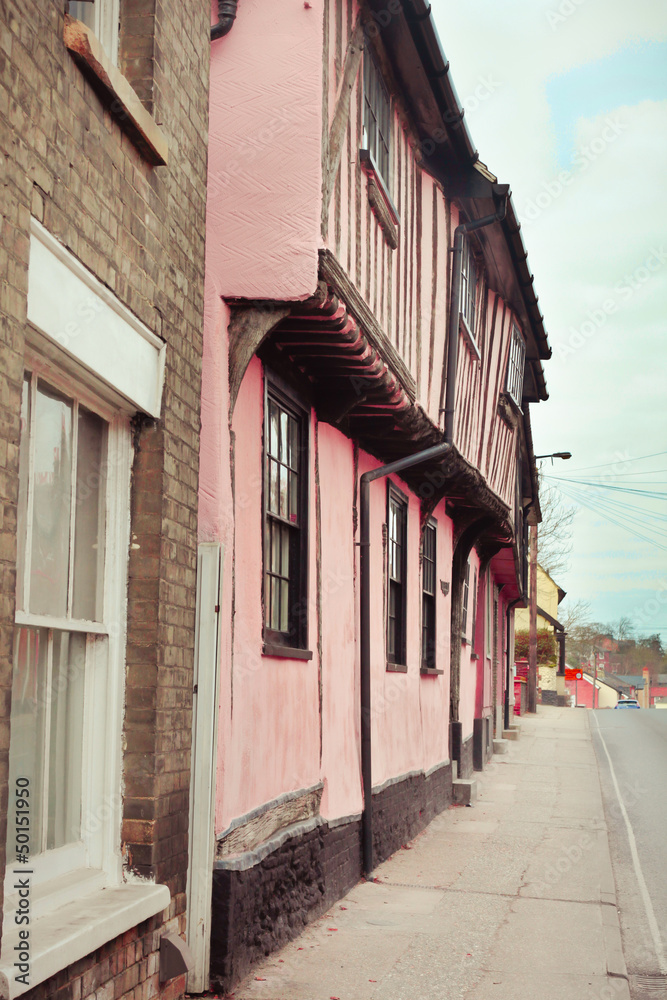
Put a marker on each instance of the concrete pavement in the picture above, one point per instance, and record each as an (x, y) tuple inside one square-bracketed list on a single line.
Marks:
[(511, 898)]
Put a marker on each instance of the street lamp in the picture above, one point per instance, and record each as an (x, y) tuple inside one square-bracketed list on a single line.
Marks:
[(532, 602)]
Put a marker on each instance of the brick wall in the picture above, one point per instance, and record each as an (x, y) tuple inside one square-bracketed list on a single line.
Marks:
[(140, 229), (127, 967), (257, 910)]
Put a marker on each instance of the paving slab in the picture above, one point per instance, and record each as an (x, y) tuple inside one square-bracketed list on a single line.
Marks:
[(512, 897)]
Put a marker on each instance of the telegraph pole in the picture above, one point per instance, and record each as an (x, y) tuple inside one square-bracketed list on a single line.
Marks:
[(532, 598)]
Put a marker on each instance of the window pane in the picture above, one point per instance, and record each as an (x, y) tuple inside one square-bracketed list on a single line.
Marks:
[(284, 556), (293, 453), (49, 570), (66, 738), (274, 552), (275, 604), (284, 606), (283, 491), (22, 511), (273, 429), (274, 505), (89, 517), (83, 11), (284, 450), (293, 497), (28, 731)]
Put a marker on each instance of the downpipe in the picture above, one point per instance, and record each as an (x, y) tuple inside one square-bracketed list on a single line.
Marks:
[(436, 451), (226, 17)]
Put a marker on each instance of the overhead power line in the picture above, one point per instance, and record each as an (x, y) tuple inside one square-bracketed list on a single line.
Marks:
[(580, 498), (620, 461)]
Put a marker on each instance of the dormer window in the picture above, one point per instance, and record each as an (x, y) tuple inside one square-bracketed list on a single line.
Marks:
[(377, 119), (515, 367)]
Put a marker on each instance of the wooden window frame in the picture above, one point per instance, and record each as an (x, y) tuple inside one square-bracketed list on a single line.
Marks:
[(397, 659), (429, 598), (473, 594), (516, 366), (377, 121), (465, 598), (468, 297), (292, 643), (488, 614)]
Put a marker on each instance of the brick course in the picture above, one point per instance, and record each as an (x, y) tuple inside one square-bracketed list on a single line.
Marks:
[(67, 160)]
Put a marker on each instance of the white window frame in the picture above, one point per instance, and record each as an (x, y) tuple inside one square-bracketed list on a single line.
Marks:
[(516, 363), (62, 874), (104, 22)]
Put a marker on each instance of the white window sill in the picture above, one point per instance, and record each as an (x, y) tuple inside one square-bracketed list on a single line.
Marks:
[(124, 103), (77, 929)]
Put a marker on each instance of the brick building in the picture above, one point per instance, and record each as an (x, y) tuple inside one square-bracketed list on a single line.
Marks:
[(103, 132)]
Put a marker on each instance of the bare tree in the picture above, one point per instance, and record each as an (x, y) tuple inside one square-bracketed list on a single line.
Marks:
[(554, 534), (575, 613)]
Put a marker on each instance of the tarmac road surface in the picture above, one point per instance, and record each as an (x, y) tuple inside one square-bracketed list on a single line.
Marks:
[(631, 747)]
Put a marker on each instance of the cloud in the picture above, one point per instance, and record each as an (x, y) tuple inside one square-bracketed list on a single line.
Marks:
[(596, 239)]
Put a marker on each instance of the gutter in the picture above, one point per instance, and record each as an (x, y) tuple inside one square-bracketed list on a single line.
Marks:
[(226, 18), (427, 42), (436, 451), (429, 47)]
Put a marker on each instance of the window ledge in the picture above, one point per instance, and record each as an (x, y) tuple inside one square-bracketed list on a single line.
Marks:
[(286, 652), (508, 409), (380, 200), (123, 101), (397, 668), (469, 338), (430, 672), (77, 929)]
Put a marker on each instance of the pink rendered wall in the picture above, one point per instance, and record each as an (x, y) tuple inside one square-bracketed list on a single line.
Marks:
[(410, 714), (269, 734), (269, 725), (339, 603), (265, 171)]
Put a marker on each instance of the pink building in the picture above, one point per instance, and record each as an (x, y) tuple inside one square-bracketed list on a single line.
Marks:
[(364, 615)]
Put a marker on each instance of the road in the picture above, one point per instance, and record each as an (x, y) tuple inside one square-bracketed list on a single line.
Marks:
[(631, 748)]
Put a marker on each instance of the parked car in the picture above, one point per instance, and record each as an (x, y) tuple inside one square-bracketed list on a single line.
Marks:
[(627, 703)]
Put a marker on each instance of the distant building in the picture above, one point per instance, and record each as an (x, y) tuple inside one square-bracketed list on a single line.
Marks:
[(551, 676)]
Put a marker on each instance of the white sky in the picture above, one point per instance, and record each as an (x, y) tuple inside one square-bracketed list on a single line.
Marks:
[(567, 101)]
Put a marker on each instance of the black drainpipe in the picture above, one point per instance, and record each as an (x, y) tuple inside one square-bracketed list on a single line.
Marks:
[(455, 309), (226, 18), (508, 670), (436, 451)]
